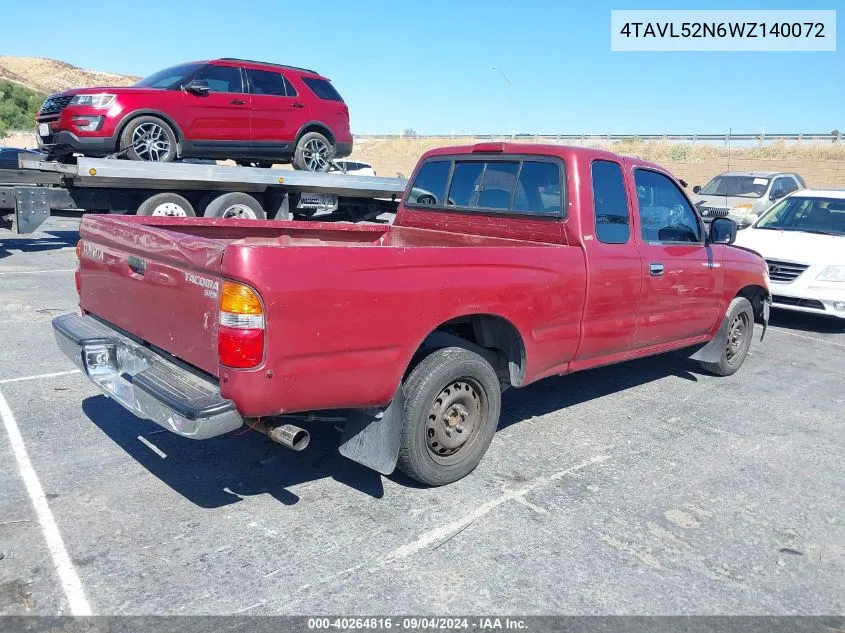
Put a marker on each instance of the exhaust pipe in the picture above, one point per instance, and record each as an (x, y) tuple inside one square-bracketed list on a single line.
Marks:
[(293, 437)]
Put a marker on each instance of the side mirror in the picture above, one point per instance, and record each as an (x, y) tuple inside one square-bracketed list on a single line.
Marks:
[(696, 189), (198, 87), (722, 231)]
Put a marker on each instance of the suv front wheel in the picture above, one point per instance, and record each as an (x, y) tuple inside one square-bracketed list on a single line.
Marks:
[(314, 152), (149, 139)]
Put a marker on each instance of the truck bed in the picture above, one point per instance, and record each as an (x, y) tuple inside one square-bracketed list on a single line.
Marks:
[(328, 309)]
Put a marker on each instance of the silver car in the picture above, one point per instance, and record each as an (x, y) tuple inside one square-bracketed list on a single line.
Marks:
[(743, 196)]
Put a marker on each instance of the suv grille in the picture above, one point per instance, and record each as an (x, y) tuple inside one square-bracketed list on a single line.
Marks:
[(714, 212), (54, 105), (784, 272)]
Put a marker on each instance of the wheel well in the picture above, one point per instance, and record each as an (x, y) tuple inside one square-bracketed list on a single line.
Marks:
[(756, 295), (493, 337), (315, 127), (159, 115)]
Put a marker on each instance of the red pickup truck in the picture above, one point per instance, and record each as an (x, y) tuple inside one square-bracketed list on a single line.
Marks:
[(506, 263)]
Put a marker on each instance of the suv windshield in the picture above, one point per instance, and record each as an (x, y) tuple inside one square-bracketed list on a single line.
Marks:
[(169, 77), (743, 186), (810, 215)]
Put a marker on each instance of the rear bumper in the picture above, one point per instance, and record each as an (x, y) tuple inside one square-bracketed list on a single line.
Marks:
[(342, 150), (64, 142), (145, 382)]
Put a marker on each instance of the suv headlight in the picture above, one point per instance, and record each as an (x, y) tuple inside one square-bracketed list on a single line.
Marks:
[(99, 100), (832, 273)]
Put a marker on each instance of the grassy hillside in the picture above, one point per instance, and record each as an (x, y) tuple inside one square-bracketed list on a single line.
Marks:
[(18, 106)]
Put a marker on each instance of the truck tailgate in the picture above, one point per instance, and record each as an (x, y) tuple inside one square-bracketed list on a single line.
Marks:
[(159, 285)]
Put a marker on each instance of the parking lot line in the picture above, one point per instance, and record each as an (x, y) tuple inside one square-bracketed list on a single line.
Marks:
[(37, 272), (38, 376), (809, 338), (71, 584)]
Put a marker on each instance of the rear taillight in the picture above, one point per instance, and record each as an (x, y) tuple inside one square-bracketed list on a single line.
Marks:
[(240, 330), (76, 277)]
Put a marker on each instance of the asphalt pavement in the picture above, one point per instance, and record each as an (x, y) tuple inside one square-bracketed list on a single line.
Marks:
[(643, 488)]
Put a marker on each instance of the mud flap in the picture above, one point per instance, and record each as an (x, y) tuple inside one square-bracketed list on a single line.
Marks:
[(767, 304), (372, 437), (712, 352)]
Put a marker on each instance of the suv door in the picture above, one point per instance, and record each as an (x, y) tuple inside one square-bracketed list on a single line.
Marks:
[(217, 123), (277, 113), (682, 284)]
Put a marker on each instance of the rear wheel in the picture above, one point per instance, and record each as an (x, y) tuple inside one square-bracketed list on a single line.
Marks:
[(740, 318), (235, 205), (314, 152), (166, 204), (452, 406), (149, 139)]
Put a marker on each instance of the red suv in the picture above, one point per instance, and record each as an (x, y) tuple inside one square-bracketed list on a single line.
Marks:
[(252, 112)]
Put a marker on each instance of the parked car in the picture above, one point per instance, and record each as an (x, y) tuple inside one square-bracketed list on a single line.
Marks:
[(9, 156), (802, 239), (355, 167), (744, 196), (524, 261), (251, 112)]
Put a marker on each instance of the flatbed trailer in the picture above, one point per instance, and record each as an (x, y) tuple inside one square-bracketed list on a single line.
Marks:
[(30, 194)]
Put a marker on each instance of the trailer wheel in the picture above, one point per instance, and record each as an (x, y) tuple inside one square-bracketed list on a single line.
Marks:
[(235, 205), (314, 152), (452, 406), (149, 139), (166, 204)]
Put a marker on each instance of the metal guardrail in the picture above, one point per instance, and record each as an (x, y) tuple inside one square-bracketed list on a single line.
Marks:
[(760, 138)]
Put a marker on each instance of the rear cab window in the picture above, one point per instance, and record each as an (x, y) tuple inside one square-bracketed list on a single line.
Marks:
[(507, 184), (322, 88)]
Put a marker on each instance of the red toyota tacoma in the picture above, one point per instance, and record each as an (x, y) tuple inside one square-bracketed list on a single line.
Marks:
[(506, 264)]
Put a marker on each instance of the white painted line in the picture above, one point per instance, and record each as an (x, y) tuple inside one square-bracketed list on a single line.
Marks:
[(5, 381), (37, 272), (155, 449), (64, 567), (809, 338)]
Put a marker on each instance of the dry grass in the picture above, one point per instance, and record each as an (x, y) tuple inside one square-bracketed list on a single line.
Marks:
[(49, 75)]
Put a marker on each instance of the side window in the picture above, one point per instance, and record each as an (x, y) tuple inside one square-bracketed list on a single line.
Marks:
[(665, 214), (429, 187), (263, 82), (289, 89), (610, 203), (222, 78), (322, 88), (538, 189)]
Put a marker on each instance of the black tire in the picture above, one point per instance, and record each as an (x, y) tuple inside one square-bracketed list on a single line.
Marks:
[(740, 317), (451, 376), (304, 157), (235, 205), (140, 129), (166, 204)]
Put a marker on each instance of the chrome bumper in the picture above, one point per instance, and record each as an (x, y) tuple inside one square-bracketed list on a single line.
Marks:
[(144, 382)]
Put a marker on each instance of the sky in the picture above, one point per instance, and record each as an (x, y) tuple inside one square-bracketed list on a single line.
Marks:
[(428, 64)]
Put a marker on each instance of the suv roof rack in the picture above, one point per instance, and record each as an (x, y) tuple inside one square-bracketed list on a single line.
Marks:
[(252, 61)]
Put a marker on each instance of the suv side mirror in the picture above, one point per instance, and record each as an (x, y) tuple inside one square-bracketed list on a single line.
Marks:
[(722, 231), (696, 189), (198, 87)]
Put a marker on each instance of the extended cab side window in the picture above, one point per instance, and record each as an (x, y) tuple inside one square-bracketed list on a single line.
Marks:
[(429, 188), (610, 203), (665, 213), (222, 78)]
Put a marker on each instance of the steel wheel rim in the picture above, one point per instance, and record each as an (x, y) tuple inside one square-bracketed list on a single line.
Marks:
[(454, 420), (737, 337), (239, 211), (316, 155), (170, 209), (151, 142)]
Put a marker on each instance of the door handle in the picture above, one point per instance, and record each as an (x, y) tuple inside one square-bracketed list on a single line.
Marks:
[(655, 269), (237, 101), (137, 265), (298, 105)]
